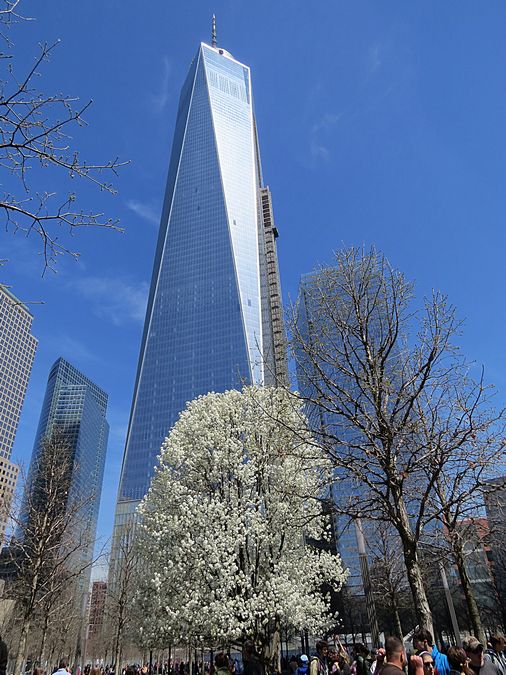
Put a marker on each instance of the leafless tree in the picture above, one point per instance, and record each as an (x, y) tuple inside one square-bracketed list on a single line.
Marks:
[(46, 555), (35, 128), (388, 576), (383, 383), (459, 495), (121, 589)]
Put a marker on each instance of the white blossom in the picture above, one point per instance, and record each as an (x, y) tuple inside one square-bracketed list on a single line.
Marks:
[(234, 496)]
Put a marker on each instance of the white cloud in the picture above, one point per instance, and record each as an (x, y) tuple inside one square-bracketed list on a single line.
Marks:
[(145, 211), (319, 151), (326, 122), (75, 351), (320, 137), (115, 299), (374, 58), (159, 99)]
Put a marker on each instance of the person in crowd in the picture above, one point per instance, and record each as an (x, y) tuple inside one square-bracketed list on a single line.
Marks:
[(319, 662), (457, 658), (303, 666), (476, 655), (362, 659), (379, 660), (396, 658), (222, 664), (38, 671), (423, 642), (496, 653), (343, 661), (62, 667), (428, 663), (252, 664), (333, 659)]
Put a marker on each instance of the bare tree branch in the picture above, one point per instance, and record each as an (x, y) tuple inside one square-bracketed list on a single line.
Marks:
[(34, 134)]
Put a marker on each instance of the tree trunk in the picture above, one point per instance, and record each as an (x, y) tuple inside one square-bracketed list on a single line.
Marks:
[(415, 579), (117, 647), (21, 655), (472, 607), (42, 647), (271, 650), (396, 617)]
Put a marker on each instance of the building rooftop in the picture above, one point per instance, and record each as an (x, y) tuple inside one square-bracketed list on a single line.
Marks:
[(14, 299)]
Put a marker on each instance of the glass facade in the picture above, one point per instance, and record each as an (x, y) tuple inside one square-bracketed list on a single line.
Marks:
[(77, 407), (17, 351), (204, 327), (312, 324)]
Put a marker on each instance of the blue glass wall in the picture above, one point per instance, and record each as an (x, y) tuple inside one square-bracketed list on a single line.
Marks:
[(77, 407), (311, 313), (203, 328)]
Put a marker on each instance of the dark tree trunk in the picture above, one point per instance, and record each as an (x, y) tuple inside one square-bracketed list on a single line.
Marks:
[(472, 606)]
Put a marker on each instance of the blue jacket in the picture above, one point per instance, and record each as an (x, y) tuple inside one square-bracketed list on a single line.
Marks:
[(440, 661)]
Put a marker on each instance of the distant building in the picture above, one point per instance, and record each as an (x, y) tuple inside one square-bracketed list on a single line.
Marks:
[(76, 407), (475, 533), (495, 505), (17, 351), (312, 325), (97, 607)]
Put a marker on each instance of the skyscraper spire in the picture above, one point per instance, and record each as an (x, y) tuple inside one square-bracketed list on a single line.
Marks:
[(213, 33)]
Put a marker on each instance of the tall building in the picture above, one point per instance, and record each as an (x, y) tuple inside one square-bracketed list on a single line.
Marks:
[(313, 327), (495, 505), (17, 351), (213, 319), (75, 407), (97, 609)]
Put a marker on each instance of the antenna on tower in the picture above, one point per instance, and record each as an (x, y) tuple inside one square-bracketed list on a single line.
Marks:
[(213, 34)]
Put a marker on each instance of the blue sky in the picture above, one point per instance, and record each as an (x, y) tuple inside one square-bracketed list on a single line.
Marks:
[(380, 123)]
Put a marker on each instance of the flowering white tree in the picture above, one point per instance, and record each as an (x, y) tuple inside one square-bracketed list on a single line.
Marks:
[(224, 523)]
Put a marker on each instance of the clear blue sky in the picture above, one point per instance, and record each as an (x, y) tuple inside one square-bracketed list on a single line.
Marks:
[(379, 122)]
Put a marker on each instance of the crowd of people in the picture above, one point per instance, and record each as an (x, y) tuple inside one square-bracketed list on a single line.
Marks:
[(473, 658)]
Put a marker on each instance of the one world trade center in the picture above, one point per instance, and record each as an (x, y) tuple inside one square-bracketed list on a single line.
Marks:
[(214, 317)]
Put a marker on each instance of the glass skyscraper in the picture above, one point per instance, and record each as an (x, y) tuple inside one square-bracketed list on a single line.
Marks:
[(214, 319), (76, 407), (17, 351), (315, 327)]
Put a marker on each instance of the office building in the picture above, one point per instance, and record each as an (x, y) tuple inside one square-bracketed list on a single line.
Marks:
[(495, 505), (313, 326), (97, 608), (214, 319), (17, 351), (75, 407)]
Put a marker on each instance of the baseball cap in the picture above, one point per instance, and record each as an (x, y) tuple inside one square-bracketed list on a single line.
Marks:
[(304, 658)]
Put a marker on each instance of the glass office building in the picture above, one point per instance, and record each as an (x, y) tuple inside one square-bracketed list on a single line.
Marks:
[(214, 319), (17, 351), (76, 407), (314, 326)]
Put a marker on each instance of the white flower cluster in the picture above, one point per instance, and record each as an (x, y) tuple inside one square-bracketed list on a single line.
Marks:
[(223, 526)]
